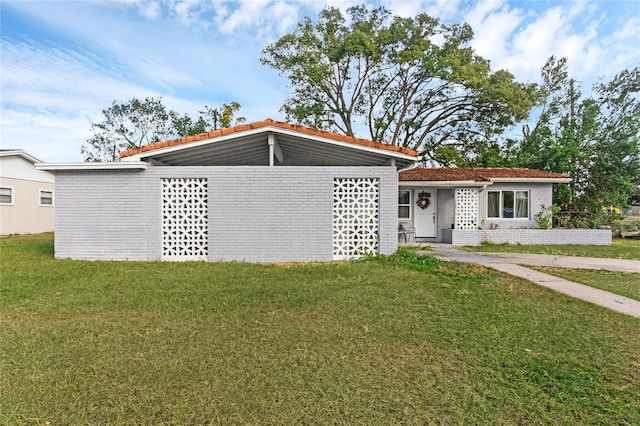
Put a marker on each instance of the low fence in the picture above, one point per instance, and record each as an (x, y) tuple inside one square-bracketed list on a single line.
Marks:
[(458, 237)]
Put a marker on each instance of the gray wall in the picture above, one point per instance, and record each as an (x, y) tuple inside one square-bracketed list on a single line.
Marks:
[(460, 237), (446, 213), (539, 193), (266, 214)]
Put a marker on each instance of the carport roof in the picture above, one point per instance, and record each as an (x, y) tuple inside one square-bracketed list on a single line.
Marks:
[(248, 144)]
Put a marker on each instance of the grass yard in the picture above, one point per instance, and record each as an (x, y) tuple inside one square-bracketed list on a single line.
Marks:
[(622, 283), (400, 340), (619, 249)]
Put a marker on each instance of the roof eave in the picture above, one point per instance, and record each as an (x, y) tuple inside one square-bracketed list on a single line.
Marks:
[(21, 153), (532, 180), (129, 165), (443, 183), (265, 129)]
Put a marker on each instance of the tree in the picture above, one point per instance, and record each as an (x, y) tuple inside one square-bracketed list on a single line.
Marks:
[(209, 119), (593, 139), (128, 125), (410, 82), (142, 122)]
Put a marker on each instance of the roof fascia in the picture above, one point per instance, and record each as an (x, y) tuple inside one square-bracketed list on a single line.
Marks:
[(266, 129), (20, 153), (181, 146), (531, 180), (443, 183), (130, 165), (353, 145)]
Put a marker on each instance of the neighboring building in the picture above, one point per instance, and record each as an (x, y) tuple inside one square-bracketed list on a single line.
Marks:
[(266, 191), (467, 206), (27, 195)]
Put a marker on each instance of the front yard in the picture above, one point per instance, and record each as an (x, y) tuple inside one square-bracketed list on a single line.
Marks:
[(384, 341)]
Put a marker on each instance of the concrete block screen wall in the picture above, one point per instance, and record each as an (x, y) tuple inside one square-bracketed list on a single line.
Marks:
[(256, 214)]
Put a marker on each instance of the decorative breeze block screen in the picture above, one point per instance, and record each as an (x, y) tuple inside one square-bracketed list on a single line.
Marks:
[(184, 219), (355, 217), (466, 208)]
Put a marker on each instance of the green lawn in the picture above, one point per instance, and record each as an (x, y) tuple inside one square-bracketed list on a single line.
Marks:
[(401, 340), (619, 249), (622, 283)]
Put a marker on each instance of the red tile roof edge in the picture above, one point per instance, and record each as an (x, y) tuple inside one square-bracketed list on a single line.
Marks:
[(476, 174), (266, 123)]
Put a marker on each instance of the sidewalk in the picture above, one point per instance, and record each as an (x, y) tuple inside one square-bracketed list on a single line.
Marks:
[(508, 263), (572, 262)]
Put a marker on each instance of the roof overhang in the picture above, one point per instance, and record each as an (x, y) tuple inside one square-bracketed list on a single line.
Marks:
[(473, 183), (442, 184), (20, 153), (252, 147), (129, 165), (531, 180)]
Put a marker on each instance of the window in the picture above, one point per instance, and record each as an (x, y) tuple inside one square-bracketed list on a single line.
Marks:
[(404, 204), (46, 198), (508, 204), (6, 195)]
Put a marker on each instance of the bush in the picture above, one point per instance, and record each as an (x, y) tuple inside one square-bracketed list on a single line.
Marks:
[(544, 218), (406, 258), (585, 220)]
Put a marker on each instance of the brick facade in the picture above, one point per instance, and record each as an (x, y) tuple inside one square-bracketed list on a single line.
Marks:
[(257, 213), (529, 236)]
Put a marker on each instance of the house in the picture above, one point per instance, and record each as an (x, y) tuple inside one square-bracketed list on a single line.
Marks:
[(267, 191), (26, 194), (468, 206)]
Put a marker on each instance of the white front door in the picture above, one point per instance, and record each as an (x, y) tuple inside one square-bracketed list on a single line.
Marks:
[(424, 208)]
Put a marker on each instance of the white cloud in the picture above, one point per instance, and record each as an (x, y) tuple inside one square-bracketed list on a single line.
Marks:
[(404, 8), (444, 9), (247, 13), (149, 9), (49, 136), (493, 22), (521, 40)]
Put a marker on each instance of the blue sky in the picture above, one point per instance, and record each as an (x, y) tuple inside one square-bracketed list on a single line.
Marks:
[(62, 62)]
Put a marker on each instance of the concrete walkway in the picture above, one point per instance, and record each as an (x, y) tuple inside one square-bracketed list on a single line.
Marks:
[(571, 262), (508, 263)]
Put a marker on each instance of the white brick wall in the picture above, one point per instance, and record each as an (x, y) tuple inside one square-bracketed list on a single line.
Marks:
[(255, 213), (446, 213), (532, 236), (101, 215)]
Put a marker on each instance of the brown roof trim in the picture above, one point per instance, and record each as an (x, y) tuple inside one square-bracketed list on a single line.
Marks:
[(266, 123), (476, 174)]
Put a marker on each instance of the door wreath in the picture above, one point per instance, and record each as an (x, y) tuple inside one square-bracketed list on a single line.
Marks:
[(423, 200)]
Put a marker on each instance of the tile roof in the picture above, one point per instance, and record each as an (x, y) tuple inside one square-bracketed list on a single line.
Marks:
[(478, 174), (266, 123)]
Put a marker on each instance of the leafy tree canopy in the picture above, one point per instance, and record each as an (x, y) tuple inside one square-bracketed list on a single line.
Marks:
[(593, 138), (411, 82), (141, 122)]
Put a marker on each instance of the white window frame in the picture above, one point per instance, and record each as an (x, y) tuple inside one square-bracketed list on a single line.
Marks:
[(501, 204), (405, 205), (13, 196), (40, 198)]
